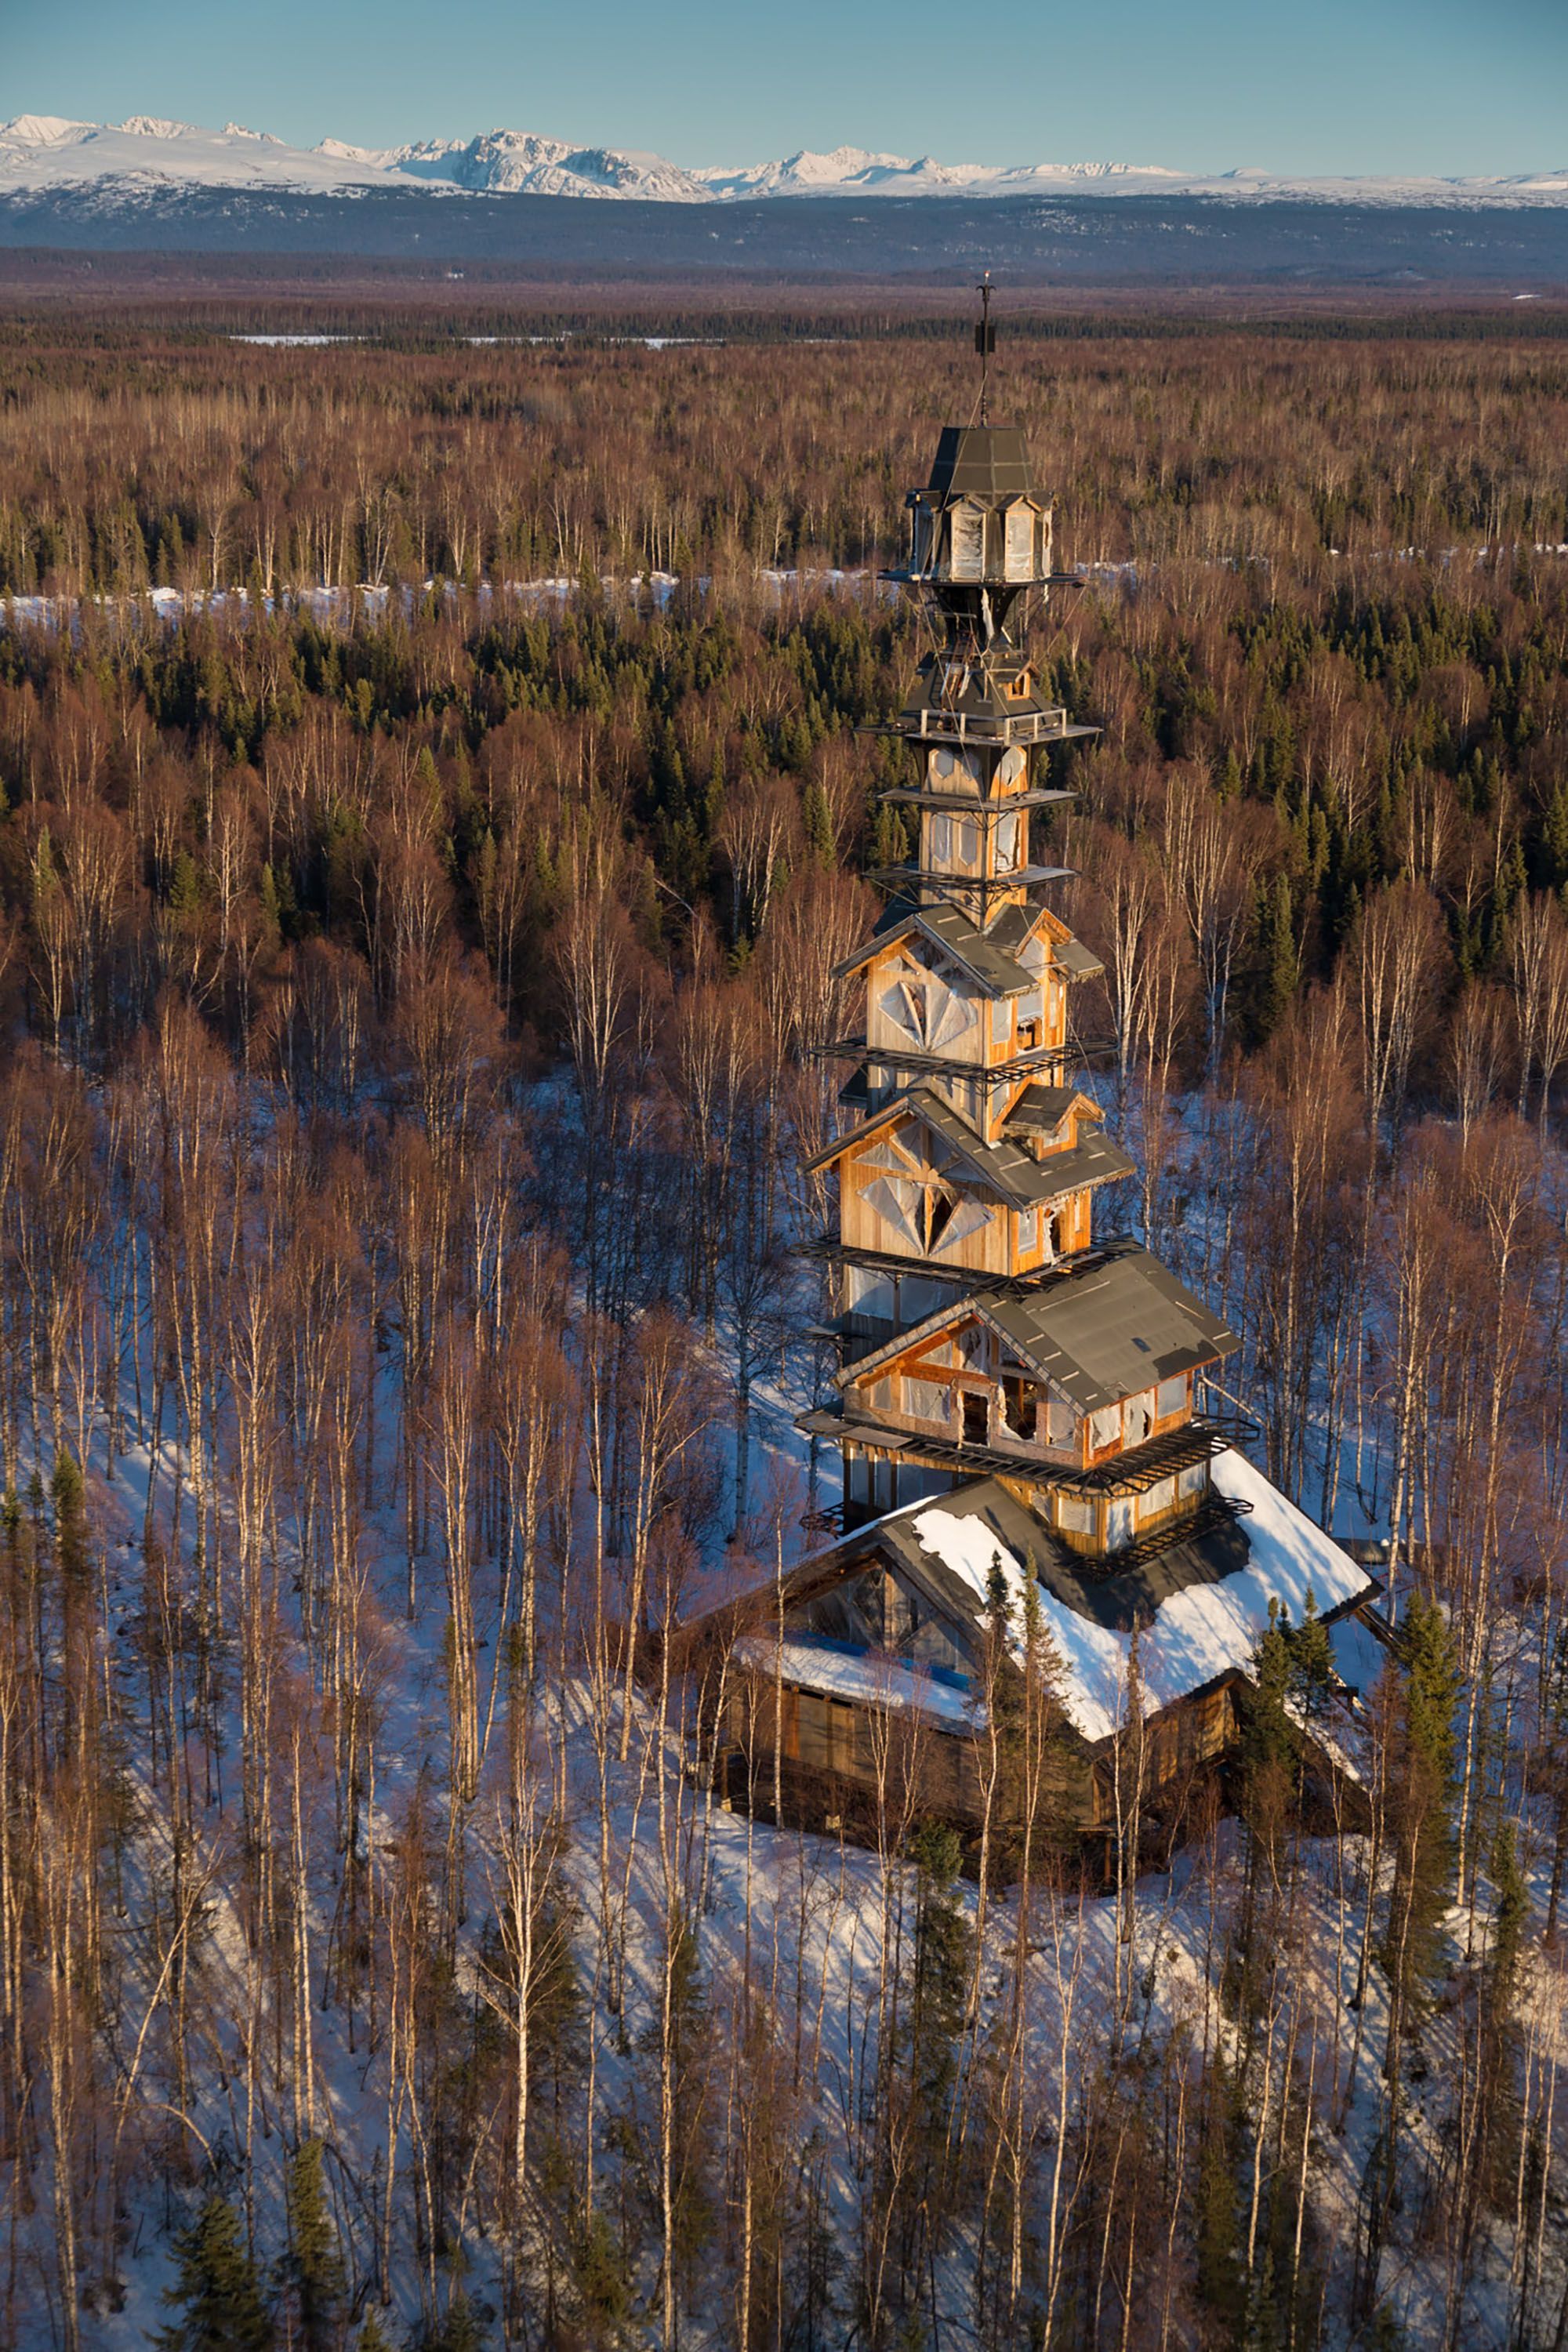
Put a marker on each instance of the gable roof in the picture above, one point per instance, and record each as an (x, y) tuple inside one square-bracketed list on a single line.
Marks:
[(1200, 1607), (1077, 961), (948, 927), (1040, 1109), (1020, 1181), (1116, 1327), (1015, 924), (1099, 1332)]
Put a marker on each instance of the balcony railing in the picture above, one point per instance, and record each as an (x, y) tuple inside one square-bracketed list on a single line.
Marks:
[(930, 725)]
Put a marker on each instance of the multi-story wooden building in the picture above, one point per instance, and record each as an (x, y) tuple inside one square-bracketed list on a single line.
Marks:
[(1014, 1388)]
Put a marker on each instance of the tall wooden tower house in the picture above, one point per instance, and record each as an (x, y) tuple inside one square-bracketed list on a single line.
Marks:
[(983, 1329), (1015, 1386)]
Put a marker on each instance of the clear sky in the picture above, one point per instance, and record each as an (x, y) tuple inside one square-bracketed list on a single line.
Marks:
[(1448, 86)]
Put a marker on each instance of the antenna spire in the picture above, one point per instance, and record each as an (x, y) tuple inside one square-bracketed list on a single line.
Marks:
[(984, 343)]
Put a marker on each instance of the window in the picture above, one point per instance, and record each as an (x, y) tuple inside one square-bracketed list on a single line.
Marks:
[(1117, 1522), (1020, 1410), (1020, 522), (976, 1418), (1194, 1481), (1075, 1515), (955, 772), (900, 1203), (1105, 1428), (1009, 844), (940, 1206), (1158, 1498), (924, 1009), (915, 1481), (866, 1293), (1140, 1419), (1171, 1396), (950, 1220), (1010, 767), (927, 1399), (967, 527), (1028, 1228)]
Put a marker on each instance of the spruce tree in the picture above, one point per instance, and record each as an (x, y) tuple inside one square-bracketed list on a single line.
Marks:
[(217, 2289), (70, 1498), (312, 2269), (1219, 2272), (1427, 1794)]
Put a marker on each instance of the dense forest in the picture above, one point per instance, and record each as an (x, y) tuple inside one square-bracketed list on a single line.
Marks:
[(434, 808)]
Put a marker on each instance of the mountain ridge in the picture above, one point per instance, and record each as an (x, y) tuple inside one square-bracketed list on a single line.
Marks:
[(47, 155)]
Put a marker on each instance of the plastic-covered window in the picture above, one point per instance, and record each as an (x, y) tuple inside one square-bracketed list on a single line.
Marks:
[(1106, 1427), (967, 524), (928, 1399)]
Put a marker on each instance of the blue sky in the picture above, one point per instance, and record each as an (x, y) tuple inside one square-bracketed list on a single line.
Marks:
[(1461, 86)]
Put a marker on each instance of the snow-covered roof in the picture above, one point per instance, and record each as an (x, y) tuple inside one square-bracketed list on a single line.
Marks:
[(1197, 1635), (868, 1677)]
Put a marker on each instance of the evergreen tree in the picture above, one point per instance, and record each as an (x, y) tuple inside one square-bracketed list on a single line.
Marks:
[(818, 822), (312, 2271), (1277, 967), (216, 2289), (460, 2330), (1425, 1799), (1421, 1794), (70, 1498), (942, 1964), (1219, 2266)]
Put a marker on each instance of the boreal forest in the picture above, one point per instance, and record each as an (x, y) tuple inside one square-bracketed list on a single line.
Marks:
[(436, 798)]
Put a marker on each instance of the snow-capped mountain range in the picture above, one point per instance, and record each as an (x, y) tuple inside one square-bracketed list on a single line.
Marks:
[(44, 154)]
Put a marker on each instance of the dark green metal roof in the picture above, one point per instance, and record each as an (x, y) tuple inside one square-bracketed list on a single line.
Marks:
[(983, 461)]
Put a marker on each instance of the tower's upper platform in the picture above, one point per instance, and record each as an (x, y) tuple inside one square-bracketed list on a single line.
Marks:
[(980, 530)]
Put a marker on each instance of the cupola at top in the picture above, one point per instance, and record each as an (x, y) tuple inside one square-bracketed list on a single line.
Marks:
[(982, 520)]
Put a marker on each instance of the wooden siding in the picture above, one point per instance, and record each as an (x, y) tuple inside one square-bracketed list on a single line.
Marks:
[(849, 1748)]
